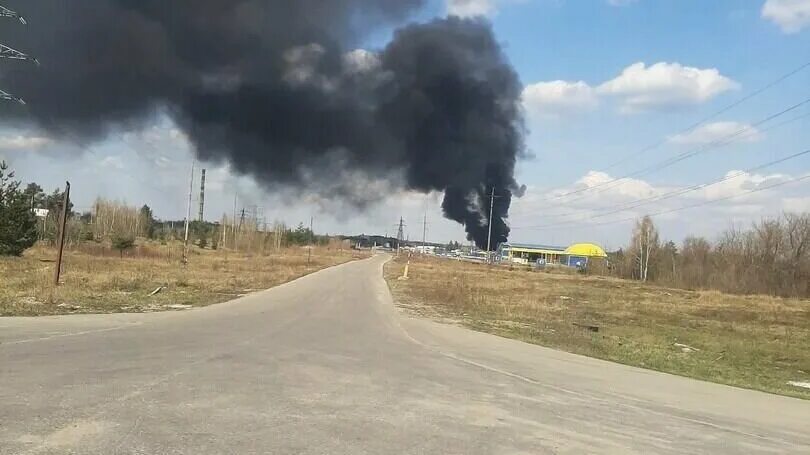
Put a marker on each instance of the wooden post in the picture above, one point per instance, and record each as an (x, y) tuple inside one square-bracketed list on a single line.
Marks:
[(61, 239)]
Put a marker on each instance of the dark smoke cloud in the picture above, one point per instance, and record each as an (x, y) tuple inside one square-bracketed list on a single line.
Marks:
[(272, 87)]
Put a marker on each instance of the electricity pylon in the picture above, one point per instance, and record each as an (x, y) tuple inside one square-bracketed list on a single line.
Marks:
[(13, 54), (9, 97), (5, 12)]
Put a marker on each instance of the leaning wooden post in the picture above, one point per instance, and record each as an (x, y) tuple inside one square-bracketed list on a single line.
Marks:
[(61, 239)]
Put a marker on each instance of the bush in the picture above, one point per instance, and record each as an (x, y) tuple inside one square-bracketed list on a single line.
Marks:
[(122, 243)]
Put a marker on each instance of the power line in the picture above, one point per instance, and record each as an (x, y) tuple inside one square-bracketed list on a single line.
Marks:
[(754, 133), (661, 197), (700, 204), (713, 115), (682, 156)]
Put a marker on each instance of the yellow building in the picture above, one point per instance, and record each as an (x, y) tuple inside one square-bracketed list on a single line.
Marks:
[(589, 250)]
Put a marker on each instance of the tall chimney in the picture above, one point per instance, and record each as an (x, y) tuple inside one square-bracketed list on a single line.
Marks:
[(202, 196)]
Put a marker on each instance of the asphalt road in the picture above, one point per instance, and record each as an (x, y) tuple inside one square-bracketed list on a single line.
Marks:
[(325, 365)]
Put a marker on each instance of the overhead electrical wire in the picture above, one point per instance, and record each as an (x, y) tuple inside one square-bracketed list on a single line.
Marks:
[(712, 116), (669, 195), (652, 198), (678, 209), (604, 186), (691, 128)]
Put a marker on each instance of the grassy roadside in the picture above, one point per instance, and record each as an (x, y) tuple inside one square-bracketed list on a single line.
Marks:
[(96, 280), (754, 342)]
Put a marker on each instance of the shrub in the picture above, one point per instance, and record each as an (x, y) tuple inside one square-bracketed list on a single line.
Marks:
[(122, 243), (18, 226)]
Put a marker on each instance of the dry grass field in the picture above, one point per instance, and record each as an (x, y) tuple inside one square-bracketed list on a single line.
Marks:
[(755, 342), (96, 280)]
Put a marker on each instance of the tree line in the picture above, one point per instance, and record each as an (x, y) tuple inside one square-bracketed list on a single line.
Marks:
[(770, 257), (120, 224)]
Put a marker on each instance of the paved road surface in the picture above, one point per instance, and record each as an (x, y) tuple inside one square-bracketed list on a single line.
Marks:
[(325, 365)]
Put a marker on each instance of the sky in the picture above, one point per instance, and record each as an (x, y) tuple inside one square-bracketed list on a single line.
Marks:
[(671, 94)]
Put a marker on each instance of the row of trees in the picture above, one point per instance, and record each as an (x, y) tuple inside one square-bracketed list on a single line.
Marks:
[(119, 224), (771, 257)]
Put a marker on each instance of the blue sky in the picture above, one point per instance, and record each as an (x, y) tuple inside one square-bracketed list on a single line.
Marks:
[(730, 36), (604, 79)]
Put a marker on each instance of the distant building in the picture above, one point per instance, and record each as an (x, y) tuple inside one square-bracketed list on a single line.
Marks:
[(580, 254), (425, 249), (371, 241), (577, 255)]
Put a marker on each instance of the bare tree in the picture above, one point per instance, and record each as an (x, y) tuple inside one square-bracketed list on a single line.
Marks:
[(772, 257), (695, 257), (645, 245), (797, 237)]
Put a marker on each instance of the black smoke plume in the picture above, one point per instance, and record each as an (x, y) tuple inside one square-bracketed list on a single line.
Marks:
[(274, 88)]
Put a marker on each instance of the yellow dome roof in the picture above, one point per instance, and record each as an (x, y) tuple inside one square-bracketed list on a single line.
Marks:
[(586, 249)]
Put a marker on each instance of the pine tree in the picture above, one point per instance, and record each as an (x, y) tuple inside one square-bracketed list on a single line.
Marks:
[(122, 243), (18, 226), (147, 222)]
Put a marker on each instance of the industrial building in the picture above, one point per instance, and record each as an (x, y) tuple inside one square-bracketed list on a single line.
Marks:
[(576, 255)]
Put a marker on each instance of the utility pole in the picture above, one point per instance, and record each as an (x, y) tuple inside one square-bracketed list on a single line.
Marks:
[(400, 234), (202, 196), (224, 228), (61, 239), (424, 233), (489, 235), (233, 222), (188, 213)]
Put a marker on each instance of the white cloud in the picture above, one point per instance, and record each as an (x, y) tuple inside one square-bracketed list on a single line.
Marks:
[(607, 187), (470, 8), (556, 98), (790, 15), (665, 85), (360, 61), (718, 132), (22, 142), (606, 212), (740, 182), (638, 88)]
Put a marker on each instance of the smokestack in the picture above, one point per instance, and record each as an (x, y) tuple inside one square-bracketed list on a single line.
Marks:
[(202, 196), (279, 91)]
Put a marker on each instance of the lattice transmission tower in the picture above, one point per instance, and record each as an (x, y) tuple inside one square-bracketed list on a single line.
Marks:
[(13, 54)]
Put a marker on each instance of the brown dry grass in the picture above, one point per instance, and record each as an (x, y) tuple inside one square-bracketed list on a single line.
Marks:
[(755, 341), (97, 280)]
